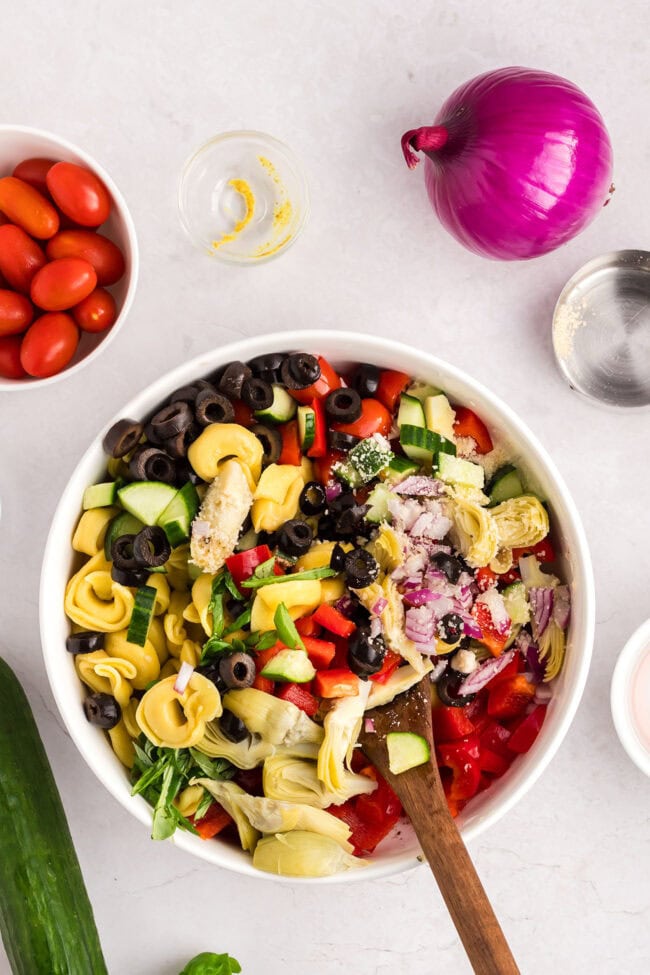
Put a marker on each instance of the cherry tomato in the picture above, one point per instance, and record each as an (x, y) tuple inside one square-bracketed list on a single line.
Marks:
[(20, 257), (323, 465), (468, 424), (16, 313), (49, 344), (63, 283), (97, 312), (374, 418), (328, 381), (79, 193), (34, 171), (10, 365), (28, 208), (391, 385), (102, 253)]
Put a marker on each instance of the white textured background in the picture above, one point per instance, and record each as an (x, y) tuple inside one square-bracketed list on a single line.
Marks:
[(140, 86)]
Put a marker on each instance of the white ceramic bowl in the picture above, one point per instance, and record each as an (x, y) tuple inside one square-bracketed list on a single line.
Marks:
[(628, 684), (399, 851), (18, 142)]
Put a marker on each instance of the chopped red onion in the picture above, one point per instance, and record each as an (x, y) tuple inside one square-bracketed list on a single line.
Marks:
[(427, 649), (418, 597), (541, 601), (435, 548), (201, 529), (493, 601), (375, 627), (183, 678), (562, 606), (471, 628), (413, 582), (483, 674), (379, 606), (345, 605), (536, 667), (332, 490), (421, 486), (369, 726)]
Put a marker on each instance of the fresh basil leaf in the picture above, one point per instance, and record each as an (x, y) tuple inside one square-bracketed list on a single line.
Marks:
[(242, 620), (231, 585), (207, 963), (323, 573), (212, 648), (204, 805), (262, 641), (287, 629), (263, 570)]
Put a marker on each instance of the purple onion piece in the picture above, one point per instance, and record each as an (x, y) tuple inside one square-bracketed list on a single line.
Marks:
[(536, 667), (541, 601), (562, 606), (419, 486), (483, 674), (332, 490)]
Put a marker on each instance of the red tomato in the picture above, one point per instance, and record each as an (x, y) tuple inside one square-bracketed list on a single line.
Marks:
[(374, 418), (34, 171), (20, 257), (49, 345), (97, 312), (391, 385), (10, 365), (543, 551), (79, 194), (28, 208), (16, 313), (323, 465), (468, 424), (328, 381), (63, 283), (102, 253)]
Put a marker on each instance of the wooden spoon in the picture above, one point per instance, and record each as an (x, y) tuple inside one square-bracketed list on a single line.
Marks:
[(421, 794)]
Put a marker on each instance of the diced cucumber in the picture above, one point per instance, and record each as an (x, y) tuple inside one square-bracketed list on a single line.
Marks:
[(516, 602), (177, 517), (410, 412), (406, 750), (378, 503), (246, 541), (455, 470), (146, 499), (306, 427), (122, 524), (142, 614), (505, 484), (370, 457), (400, 467), (100, 495), (447, 446), (290, 665), (282, 409), (419, 444), (440, 416), (420, 390)]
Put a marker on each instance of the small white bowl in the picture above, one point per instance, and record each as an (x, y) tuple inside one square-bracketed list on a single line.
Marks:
[(18, 142), (631, 679), (400, 851)]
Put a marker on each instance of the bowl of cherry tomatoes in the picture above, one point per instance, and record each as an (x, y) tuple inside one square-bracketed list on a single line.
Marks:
[(68, 258)]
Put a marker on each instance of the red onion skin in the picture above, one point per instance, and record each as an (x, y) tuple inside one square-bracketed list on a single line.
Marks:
[(525, 166)]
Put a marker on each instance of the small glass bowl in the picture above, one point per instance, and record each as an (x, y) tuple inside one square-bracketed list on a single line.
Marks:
[(630, 697), (243, 197)]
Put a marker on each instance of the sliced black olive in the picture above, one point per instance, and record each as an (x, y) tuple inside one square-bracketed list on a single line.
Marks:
[(213, 407), (450, 628), (361, 568), (152, 464), (122, 555), (177, 446), (326, 528), (122, 437), (87, 641), (365, 652), (232, 727), (359, 614), (271, 440), (102, 710), (295, 537), (343, 405), (449, 564), (237, 669), (211, 671), (151, 434), (300, 370), (341, 502), (232, 378), (235, 607), (342, 441), (312, 498), (151, 546), (268, 362), (171, 420), (337, 558), (267, 538), (366, 379), (257, 393), (185, 472), (188, 393), (129, 577), (447, 686), (350, 522)]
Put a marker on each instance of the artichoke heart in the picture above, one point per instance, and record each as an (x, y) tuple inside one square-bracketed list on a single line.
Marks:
[(521, 521), (291, 778), (245, 754), (474, 531), (400, 680), (272, 816), (278, 722), (302, 854), (342, 725), (392, 619), (229, 795), (387, 548)]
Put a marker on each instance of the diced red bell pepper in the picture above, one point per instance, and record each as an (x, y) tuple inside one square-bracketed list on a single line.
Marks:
[(492, 762), (307, 626), (336, 683), (263, 684), (510, 697), (319, 446), (494, 738), (450, 724), (507, 578), (243, 414), (298, 694), (493, 640), (262, 657), (215, 819), (462, 759), (391, 385), (323, 466), (527, 730), (485, 578), (328, 381), (320, 652), (468, 424), (242, 565), (291, 452), (390, 664), (370, 817), (543, 551), (334, 621), (374, 418), (341, 658)]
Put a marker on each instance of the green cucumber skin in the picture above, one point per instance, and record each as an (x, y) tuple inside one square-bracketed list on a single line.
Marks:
[(46, 919)]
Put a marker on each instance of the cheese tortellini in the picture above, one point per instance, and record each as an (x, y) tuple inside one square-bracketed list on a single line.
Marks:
[(173, 720), (95, 601), (276, 496)]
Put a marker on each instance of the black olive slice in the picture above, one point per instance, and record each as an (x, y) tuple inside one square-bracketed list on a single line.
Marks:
[(102, 710), (300, 370), (152, 464), (171, 420), (122, 555), (122, 437), (151, 546), (295, 537), (177, 446), (342, 441), (350, 522), (341, 502), (447, 686), (365, 652), (337, 558), (185, 394), (233, 377), (232, 727), (267, 364), (366, 379), (361, 568), (237, 669), (213, 407), (87, 641), (450, 628), (271, 440), (257, 394), (343, 405), (129, 577), (313, 498), (449, 564)]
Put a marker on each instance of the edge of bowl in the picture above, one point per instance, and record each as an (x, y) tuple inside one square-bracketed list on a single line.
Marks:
[(620, 696)]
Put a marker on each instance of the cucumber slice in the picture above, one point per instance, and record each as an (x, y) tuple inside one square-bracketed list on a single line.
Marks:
[(290, 665), (410, 412), (400, 467), (378, 503), (146, 499), (142, 615), (406, 750), (306, 427), (177, 517), (516, 602), (505, 484), (370, 457), (455, 470), (419, 443), (440, 416), (420, 390), (282, 409), (100, 495), (122, 524)]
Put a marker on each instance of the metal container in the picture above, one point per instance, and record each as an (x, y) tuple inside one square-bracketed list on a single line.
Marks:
[(601, 330)]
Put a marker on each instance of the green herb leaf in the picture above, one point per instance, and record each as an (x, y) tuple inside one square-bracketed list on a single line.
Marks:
[(323, 573), (207, 963), (231, 585), (212, 648), (242, 620), (287, 629), (264, 570), (262, 641)]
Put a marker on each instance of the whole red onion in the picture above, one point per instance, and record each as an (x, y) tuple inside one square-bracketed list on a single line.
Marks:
[(517, 162)]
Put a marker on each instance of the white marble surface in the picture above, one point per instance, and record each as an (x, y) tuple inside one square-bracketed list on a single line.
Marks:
[(141, 85)]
